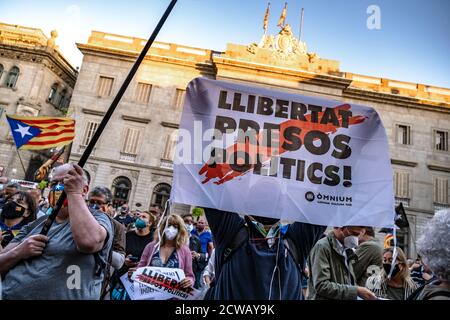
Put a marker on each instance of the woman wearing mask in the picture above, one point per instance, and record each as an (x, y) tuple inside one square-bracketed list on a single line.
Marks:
[(172, 251), (136, 241), (400, 284), (19, 210)]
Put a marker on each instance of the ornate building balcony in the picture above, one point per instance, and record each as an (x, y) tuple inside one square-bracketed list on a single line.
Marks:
[(166, 164), (405, 201), (128, 157), (440, 206)]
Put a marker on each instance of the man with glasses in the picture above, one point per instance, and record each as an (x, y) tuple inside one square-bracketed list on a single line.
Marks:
[(64, 265)]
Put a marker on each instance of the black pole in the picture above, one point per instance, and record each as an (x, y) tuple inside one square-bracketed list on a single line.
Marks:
[(102, 125)]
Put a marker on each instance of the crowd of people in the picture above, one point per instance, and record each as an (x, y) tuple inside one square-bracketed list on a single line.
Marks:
[(91, 245)]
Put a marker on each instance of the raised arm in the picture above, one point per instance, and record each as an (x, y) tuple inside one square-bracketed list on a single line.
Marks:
[(88, 234)]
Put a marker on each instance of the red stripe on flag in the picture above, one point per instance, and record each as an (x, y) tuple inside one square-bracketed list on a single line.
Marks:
[(55, 126), (45, 121), (55, 133), (42, 143)]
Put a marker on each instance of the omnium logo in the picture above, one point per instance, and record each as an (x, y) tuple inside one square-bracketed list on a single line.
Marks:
[(333, 200), (310, 196)]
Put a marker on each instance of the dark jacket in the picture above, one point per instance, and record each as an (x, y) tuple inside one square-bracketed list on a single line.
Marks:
[(369, 253), (247, 273), (198, 265)]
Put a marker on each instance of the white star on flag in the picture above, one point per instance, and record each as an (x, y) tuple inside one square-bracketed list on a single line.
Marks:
[(23, 131)]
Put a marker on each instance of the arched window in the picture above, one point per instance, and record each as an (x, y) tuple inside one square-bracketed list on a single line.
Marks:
[(62, 99), (53, 93), (161, 194), (13, 75), (121, 191)]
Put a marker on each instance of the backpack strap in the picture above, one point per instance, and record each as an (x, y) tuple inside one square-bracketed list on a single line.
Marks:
[(440, 293), (292, 249), (239, 239), (418, 291)]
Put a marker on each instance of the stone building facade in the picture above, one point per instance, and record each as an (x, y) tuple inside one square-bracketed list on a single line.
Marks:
[(35, 80), (134, 154)]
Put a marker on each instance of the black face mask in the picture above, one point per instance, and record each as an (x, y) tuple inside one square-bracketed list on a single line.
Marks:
[(12, 210), (387, 269)]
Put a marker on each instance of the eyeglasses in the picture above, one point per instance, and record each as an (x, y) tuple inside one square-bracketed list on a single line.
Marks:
[(97, 202)]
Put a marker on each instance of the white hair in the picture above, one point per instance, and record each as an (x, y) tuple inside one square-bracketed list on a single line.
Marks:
[(434, 244)]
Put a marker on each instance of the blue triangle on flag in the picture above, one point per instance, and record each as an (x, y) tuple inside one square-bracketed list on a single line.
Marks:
[(22, 132)]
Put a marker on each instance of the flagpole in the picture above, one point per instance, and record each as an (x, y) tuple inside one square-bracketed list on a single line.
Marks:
[(48, 223), (301, 26), (21, 162)]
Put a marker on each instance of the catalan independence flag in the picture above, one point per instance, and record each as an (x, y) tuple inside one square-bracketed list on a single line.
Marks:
[(33, 133), (388, 240)]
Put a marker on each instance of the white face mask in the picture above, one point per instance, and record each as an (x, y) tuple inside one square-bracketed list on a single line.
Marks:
[(351, 242), (190, 227), (171, 232)]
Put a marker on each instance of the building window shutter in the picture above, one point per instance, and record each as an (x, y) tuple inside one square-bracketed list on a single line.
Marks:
[(91, 127), (441, 191), (171, 143), (131, 141), (105, 86), (179, 98), (401, 184), (143, 91)]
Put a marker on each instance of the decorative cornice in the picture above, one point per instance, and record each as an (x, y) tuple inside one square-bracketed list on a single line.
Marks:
[(93, 112), (205, 67), (125, 164), (135, 119), (404, 163), (402, 101), (43, 55), (170, 125), (282, 73), (438, 168)]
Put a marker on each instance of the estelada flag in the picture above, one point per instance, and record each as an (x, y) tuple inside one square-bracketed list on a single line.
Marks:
[(388, 238), (34, 133)]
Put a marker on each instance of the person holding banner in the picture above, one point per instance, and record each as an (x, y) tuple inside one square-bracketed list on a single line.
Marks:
[(171, 251), (331, 267), (66, 264), (258, 258)]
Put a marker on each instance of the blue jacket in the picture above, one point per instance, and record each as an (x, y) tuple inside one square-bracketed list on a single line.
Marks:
[(247, 273)]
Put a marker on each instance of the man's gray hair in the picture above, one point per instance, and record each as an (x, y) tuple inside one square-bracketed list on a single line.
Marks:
[(433, 245), (100, 191)]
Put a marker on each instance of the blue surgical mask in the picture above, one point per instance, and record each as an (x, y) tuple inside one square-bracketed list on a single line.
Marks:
[(140, 224)]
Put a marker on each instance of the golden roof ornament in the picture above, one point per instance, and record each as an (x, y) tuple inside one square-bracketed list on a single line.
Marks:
[(51, 43), (284, 45)]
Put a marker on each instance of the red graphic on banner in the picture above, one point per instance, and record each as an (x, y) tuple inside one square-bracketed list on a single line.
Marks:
[(225, 172)]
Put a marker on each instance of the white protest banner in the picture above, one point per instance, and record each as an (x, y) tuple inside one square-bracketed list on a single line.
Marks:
[(277, 154), (139, 291), (166, 281)]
